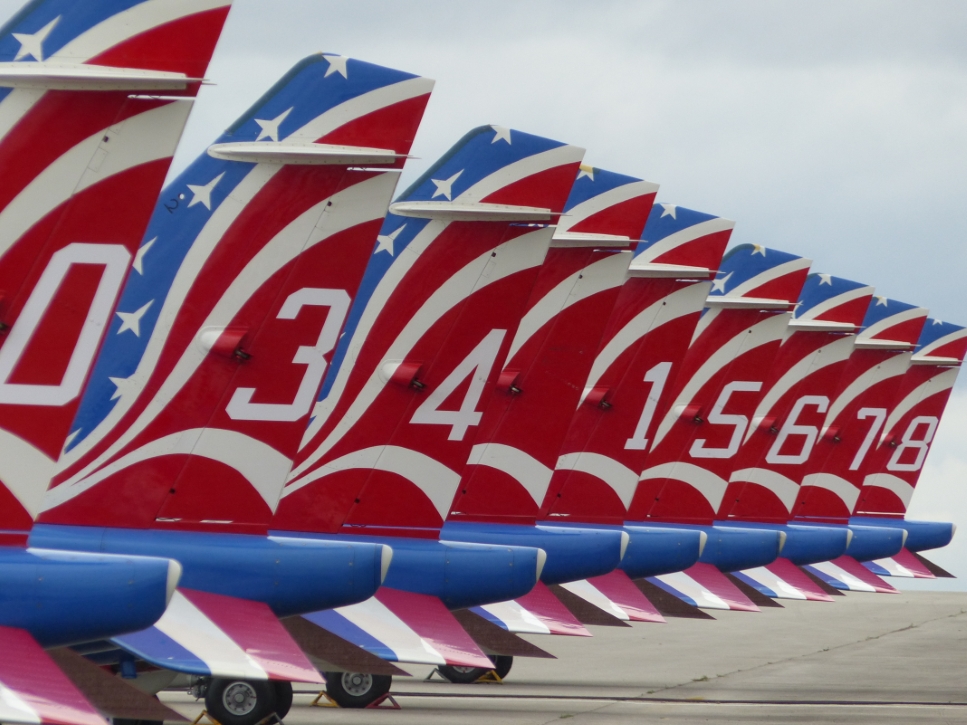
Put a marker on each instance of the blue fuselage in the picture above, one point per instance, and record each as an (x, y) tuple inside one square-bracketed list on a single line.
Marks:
[(63, 597), (460, 575), (291, 575)]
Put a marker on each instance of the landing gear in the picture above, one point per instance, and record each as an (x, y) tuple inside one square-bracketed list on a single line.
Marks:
[(356, 689), (243, 702), (466, 675)]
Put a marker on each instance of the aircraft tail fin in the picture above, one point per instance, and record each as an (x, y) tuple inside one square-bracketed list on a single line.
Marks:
[(242, 285), (520, 435), (439, 306), (95, 96)]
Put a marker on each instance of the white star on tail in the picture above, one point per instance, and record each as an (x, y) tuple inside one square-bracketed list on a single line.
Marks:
[(719, 284), (445, 187), (138, 262), (669, 210), (132, 320), (758, 249), (122, 385), (880, 302), (501, 134), (337, 64), (32, 44), (586, 172), (384, 242), (938, 322), (203, 194), (270, 129), (825, 279)]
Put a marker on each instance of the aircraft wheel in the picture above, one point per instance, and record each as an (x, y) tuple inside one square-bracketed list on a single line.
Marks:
[(356, 689), (283, 697), (240, 702), (462, 675), (467, 675)]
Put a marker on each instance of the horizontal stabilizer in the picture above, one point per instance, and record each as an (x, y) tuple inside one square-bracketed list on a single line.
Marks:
[(667, 603), (704, 586), (33, 690), (616, 590), (904, 564), (588, 605), (113, 696), (331, 653), (783, 580), (497, 640), (848, 574), (538, 612), (938, 571), (400, 626), (211, 634), (758, 598)]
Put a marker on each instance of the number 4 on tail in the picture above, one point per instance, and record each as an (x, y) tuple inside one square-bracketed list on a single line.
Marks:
[(477, 366)]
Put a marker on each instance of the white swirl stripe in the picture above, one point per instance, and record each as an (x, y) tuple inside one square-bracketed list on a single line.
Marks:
[(438, 482), (600, 202), (260, 464), (602, 275), (785, 489), (937, 384), (622, 480), (688, 300), (680, 238), (530, 473), (902, 489), (710, 485), (890, 368), (844, 490)]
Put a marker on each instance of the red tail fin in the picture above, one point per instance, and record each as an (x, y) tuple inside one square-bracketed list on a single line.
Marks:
[(204, 388), (895, 465), (84, 157), (643, 346), (797, 393), (420, 357), (718, 386), (524, 425), (858, 411)]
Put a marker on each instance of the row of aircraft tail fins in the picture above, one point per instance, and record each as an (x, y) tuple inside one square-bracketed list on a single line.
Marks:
[(520, 370)]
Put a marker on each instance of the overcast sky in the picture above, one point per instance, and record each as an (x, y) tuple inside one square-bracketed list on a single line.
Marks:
[(836, 130)]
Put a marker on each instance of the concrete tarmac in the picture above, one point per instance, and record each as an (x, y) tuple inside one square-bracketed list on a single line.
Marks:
[(865, 658)]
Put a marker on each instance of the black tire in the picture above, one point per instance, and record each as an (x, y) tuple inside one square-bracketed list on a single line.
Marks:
[(462, 675), (502, 664), (240, 702), (283, 697), (468, 675), (356, 689)]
